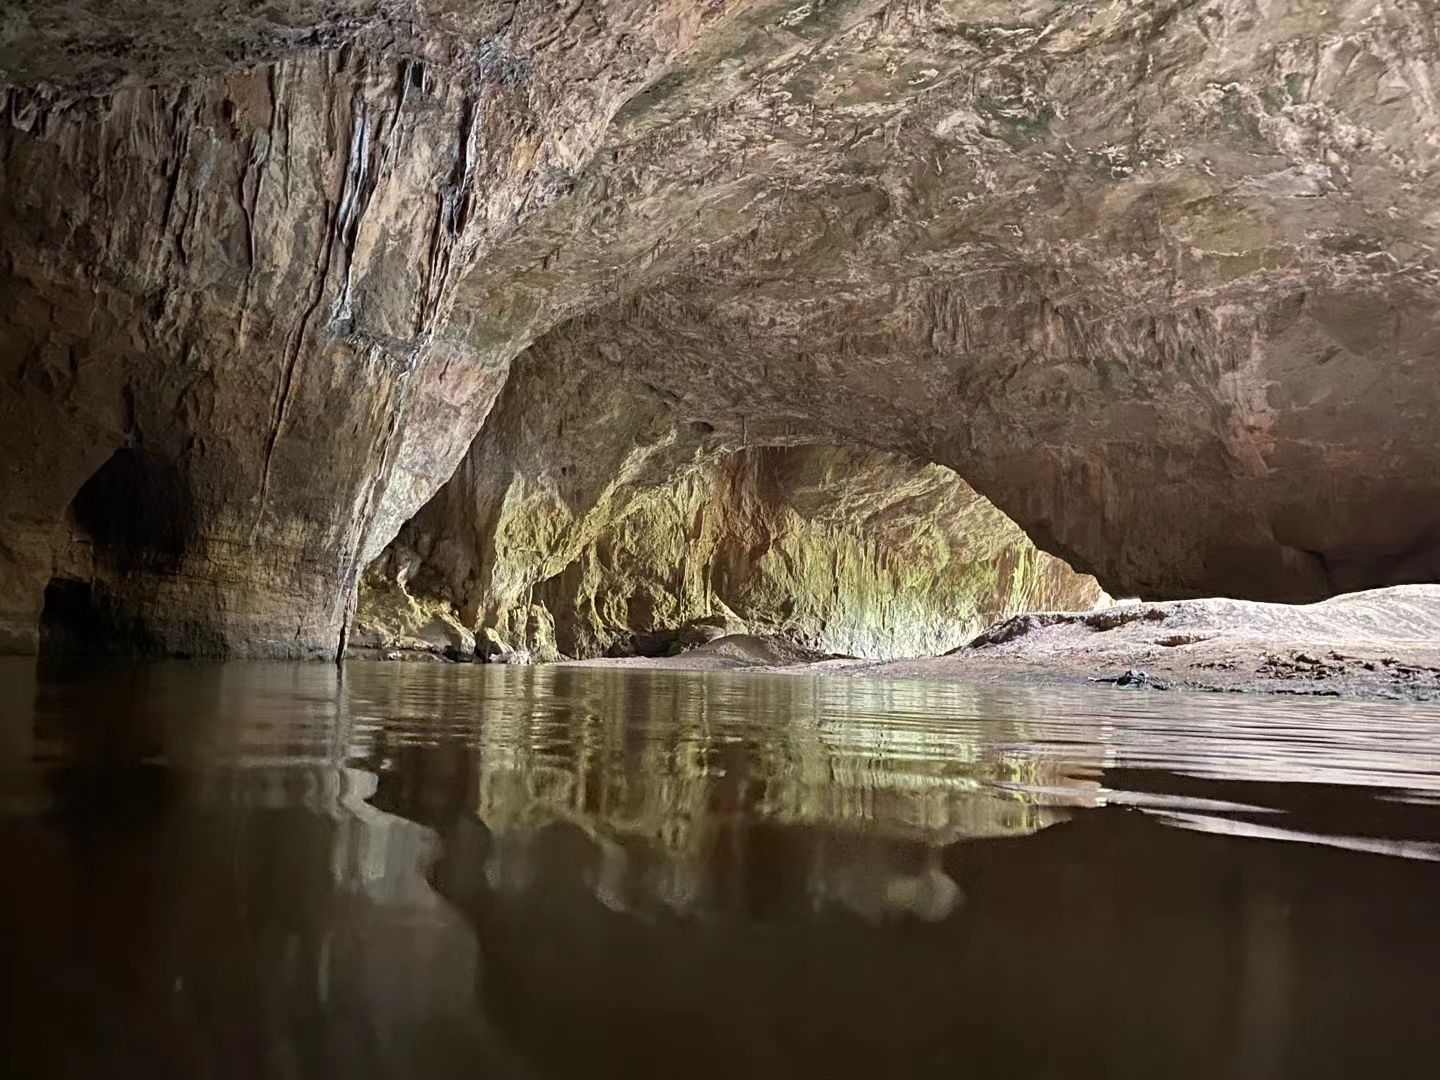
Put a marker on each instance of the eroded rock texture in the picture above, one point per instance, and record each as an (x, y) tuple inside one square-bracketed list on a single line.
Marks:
[(585, 521), (241, 281), (1159, 279)]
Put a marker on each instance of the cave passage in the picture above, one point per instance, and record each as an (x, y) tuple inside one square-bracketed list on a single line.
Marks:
[(855, 538), (594, 516), (135, 513), (70, 621)]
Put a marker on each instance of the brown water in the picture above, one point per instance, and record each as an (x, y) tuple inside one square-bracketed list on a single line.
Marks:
[(262, 871)]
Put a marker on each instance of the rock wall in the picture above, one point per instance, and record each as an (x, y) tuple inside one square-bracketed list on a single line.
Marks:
[(242, 278), (1158, 279), (585, 521)]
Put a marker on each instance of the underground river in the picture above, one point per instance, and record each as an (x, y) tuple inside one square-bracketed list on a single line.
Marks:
[(408, 870)]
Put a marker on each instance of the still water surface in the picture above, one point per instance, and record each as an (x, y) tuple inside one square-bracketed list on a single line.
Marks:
[(432, 871)]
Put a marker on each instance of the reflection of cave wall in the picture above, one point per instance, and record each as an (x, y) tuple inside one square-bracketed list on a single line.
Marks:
[(242, 923), (647, 770), (586, 520)]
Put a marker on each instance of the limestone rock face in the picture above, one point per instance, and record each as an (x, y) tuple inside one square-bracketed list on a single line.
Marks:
[(584, 521), (240, 277), (1158, 279)]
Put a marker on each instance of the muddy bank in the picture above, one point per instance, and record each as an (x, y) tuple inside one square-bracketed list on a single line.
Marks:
[(1382, 643)]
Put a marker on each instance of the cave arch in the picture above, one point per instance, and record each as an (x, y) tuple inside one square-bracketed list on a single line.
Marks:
[(70, 620), (136, 512), (133, 517), (591, 518)]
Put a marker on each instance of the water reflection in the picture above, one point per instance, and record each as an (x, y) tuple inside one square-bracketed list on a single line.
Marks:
[(435, 871), (663, 775)]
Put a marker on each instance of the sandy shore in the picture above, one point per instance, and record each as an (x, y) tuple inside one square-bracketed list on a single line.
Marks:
[(1384, 643)]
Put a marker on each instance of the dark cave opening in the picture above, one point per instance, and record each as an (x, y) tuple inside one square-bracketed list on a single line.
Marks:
[(133, 518), (136, 511), (71, 621)]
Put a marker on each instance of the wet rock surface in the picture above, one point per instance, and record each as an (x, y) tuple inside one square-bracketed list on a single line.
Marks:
[(1158, 280), (1381, 643), (1384, 643), (586, 521)]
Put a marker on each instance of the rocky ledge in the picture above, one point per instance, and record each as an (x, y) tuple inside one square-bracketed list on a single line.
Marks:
[(1384, 643)]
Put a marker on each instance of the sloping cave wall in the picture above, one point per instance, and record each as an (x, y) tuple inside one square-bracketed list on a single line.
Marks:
[(586, 521), (232, 238)]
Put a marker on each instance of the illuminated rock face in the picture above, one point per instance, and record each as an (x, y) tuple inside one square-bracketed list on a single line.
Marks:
[(585, 521), (1156, 279)]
